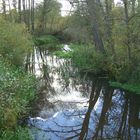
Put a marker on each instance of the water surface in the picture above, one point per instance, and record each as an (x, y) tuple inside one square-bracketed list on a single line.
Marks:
[(75, 106)]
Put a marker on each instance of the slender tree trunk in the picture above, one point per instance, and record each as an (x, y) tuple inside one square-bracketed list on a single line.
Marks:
[(124, 116), (24, 11), (19, 10), (125, 2), (109, 24), (93, 99), (138, 3), (106, 105), (9, 6), (93, 7), (133, 6), (43, 15), (4, 8), (14, 4), (32, 15), (28, 13)]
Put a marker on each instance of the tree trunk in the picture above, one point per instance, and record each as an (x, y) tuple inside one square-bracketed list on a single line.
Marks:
[(28, 10), (125, 2), (106, 105), (4, 8), (109, 25), (96, 87), (124, 117), (14, 3), (24, 11), (133, 6), (19, 10), (93, 7), (32, 15)]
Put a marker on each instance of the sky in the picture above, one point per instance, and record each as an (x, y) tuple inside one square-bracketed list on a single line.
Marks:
[(66, 6)]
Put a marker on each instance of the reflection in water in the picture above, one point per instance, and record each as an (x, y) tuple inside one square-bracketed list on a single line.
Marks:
[(70, 108), (119, 117)]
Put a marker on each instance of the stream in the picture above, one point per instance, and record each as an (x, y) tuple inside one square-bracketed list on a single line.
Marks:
[(79, 106)]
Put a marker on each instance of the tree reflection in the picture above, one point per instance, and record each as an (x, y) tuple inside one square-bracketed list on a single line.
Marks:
[(119, 116)]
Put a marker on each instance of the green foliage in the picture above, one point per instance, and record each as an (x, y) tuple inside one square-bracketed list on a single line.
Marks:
[(78, 29), (119, 68), (15, 42), (63, 54), (134, 88), (48, 18), (17, 89), (18, 134), (87, 59), (46, 40)]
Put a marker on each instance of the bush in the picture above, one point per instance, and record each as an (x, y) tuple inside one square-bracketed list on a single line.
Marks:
[(15, 42), (17, 89), (124, 73), (46, 40), (18, 134), (87, 59)]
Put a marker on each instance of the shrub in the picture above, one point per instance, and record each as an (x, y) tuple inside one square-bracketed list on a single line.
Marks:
[(46, 40), (17, 89), (124, 73), (87, 59), (15, 42), (18, 134)]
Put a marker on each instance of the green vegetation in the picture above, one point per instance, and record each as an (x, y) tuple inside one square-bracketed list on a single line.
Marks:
[(15, 42), (117, 69), (105, 39), (127, 87), (17, 88), (87, 59), (46, 40), (19, 133), (62, 54)]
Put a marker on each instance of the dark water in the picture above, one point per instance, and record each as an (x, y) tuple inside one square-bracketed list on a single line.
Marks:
[(79, 106)]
